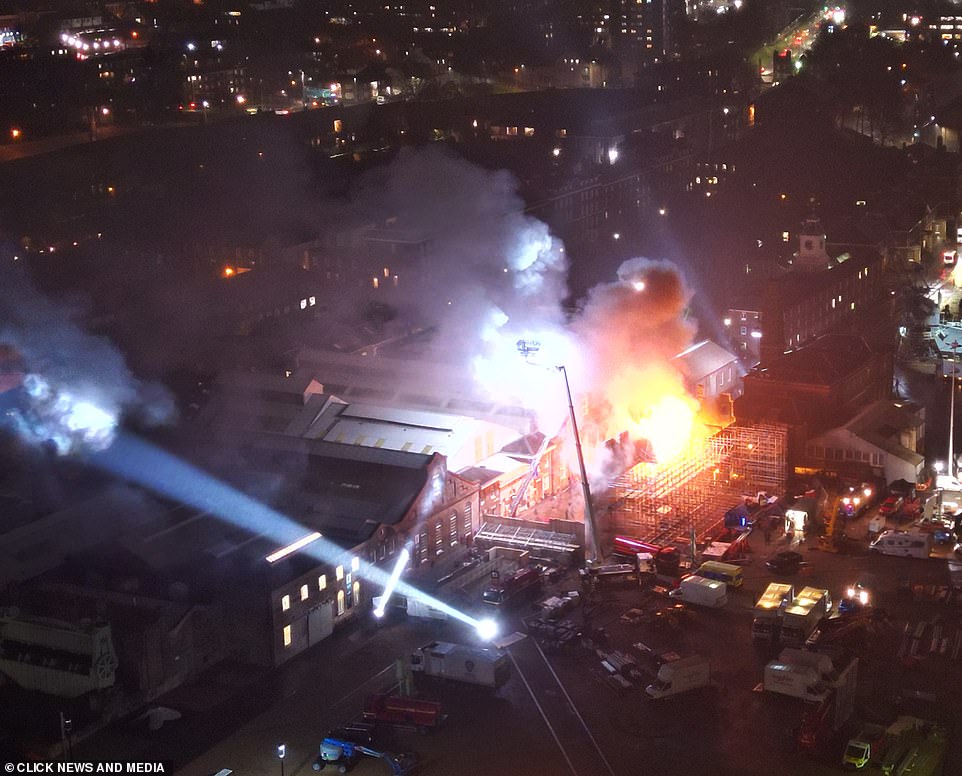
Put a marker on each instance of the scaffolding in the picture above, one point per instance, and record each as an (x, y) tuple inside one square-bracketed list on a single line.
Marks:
[(663, 504), (520, 537)]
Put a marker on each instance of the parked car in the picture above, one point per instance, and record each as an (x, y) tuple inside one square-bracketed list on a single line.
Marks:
[(785, 562), (892, 505)]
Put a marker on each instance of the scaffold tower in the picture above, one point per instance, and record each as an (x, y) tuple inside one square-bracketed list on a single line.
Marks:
[(663, 503)]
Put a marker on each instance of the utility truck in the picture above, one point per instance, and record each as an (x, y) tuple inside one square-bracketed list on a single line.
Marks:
[(459, 663), (688, 673), (803, 614), (768, 610)]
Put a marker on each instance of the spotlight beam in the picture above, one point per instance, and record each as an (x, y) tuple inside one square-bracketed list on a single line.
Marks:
[(138, 461), (402, 561)]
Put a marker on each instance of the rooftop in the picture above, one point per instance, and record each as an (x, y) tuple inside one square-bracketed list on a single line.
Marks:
[(703, 358)]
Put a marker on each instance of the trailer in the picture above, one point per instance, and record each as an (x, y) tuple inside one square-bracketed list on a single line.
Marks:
[(459, 663)]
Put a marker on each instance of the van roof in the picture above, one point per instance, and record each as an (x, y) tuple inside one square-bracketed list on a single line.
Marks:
[(703, 581), (685, 662), (728, 568)]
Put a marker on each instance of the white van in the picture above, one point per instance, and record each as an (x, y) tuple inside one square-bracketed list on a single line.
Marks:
[(701, 591), (689, 673), (909, 544)]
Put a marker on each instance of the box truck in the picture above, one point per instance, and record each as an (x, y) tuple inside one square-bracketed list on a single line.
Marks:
[(800, 674), (458, 663), (803, 614), (768, 610), (701, 591), (688, 673), (416, 608)]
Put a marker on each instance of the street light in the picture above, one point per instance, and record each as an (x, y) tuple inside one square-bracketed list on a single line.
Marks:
[(281, 754)]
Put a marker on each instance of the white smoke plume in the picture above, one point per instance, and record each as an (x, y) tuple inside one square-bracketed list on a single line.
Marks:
[(75, 386)]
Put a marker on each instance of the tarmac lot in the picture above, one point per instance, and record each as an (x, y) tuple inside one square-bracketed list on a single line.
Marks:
[(559, 714)]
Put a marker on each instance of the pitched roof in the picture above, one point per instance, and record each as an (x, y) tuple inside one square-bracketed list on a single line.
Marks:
[(703, 358)]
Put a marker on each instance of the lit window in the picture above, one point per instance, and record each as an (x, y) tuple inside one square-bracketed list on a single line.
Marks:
[(303, 304), (285, 603), (339, 573), (355, 564), (337, 125), (304, 592), (287, 635), (322, 582)]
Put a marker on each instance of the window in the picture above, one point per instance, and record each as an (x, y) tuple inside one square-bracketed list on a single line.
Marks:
[(287, 635), (285, 603), (339, 573), (439, 538), (355, 564), (340, 602), (744, 330), (453, 530), (322, 582), (304, 592), (467, 518)]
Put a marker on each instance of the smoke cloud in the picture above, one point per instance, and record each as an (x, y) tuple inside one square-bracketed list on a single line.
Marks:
[(75, 386), (495, 279)]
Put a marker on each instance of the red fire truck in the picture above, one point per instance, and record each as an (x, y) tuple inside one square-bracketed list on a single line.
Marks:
[(505, 590)]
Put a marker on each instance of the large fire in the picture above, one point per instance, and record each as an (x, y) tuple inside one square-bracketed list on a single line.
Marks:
[(631, 399)]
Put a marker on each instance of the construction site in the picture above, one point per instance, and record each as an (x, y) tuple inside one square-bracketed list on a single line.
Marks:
[(667, 503)]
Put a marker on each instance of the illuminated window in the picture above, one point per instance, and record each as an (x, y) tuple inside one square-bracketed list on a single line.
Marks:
[(322, 582), (339, 573), (337, 125), (287, 635), (304, 592), (355, 564), (285, 603)]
